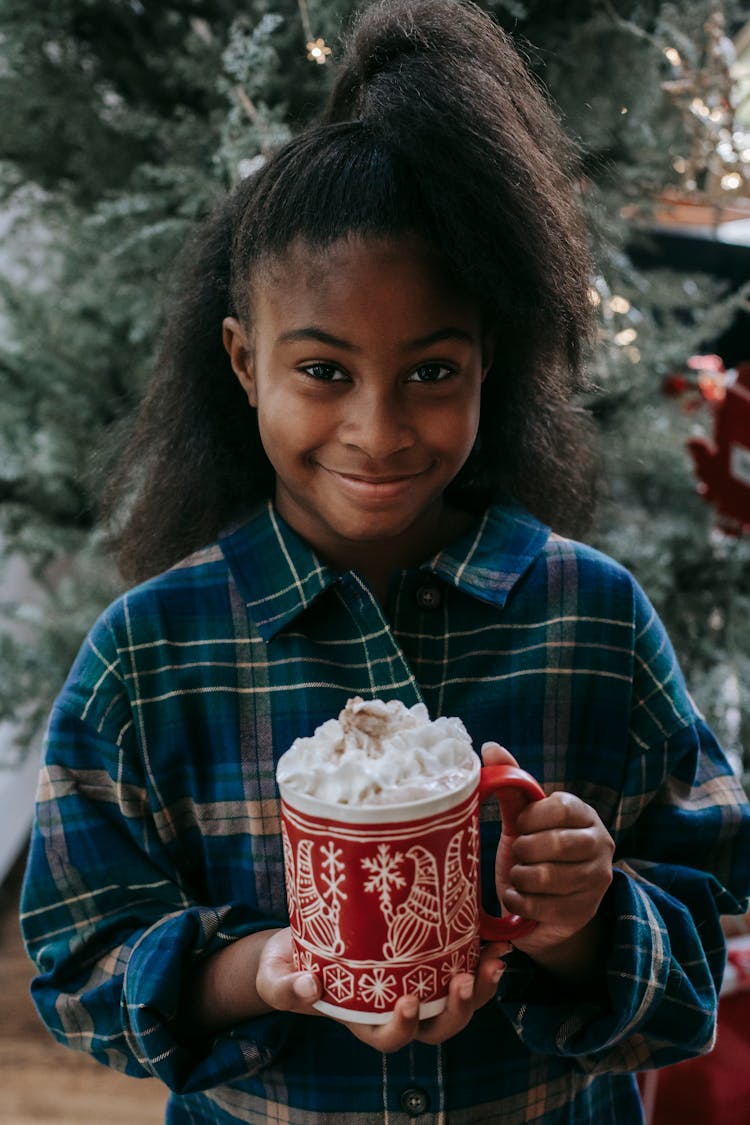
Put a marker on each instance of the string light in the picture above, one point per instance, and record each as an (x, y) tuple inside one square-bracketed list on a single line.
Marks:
[(727, 152), (627, 336), (731, 181), (317, 49), (717, 159), (620, 305)]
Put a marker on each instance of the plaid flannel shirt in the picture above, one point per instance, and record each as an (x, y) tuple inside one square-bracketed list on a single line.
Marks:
[(157, 837)]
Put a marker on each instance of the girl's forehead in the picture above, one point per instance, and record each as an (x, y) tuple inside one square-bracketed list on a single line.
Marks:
[(302, 260), (344, 271)]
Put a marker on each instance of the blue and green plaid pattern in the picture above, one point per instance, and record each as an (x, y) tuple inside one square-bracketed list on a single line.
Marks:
[(157, 829)]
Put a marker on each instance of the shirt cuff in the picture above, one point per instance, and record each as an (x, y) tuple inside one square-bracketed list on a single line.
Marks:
[(153, 985), (551, 1019)]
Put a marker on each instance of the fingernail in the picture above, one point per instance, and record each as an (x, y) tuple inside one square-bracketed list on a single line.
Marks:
[(306, 987), (497, 973), (410, 1007), (466, 989)]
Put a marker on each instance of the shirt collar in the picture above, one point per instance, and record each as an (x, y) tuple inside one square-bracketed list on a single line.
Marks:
[(489, 559), (279, 575), (276, 572)]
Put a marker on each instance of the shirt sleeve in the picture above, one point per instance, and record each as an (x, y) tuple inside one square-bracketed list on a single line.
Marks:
[(108, 915), (682, 835)]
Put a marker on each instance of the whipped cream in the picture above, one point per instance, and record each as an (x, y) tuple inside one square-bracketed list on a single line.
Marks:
[(379, 753)]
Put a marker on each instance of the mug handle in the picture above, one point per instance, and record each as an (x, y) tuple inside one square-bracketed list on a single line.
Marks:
[(515, 789)]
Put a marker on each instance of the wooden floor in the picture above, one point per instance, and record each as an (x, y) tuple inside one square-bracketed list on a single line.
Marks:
[(40, 1081)]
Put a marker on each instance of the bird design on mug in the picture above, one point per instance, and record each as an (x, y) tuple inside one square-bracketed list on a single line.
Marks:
[(440, 908)]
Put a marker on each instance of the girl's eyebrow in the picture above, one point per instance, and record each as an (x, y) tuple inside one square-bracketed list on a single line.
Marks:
[(296, 335), (441, 334)]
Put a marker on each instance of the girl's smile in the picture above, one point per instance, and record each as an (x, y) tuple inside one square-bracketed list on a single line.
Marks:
[(365, 367), (373, 487)]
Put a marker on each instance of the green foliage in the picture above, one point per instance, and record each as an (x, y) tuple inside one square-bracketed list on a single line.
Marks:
[(124, 121)]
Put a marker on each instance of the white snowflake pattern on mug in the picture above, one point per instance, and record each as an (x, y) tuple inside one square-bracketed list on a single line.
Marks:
[(378, 988)]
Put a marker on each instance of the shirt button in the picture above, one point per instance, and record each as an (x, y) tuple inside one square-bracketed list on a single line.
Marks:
[(428, 597), (415, 1101)]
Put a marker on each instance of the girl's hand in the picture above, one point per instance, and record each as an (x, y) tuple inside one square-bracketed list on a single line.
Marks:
[(466, 994), (277, 981), (286, 990), (556, 871)]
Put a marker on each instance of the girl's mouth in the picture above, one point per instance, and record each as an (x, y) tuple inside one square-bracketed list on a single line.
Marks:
[(368, 486)]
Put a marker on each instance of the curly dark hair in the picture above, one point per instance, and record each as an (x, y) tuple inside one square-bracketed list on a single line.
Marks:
[(434, 127)]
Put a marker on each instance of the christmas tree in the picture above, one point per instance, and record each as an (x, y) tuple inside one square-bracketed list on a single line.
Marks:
[(126, 121)]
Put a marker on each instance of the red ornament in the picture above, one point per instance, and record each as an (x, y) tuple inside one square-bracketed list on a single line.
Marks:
[(675, 385), (723, 465), (705, 379)]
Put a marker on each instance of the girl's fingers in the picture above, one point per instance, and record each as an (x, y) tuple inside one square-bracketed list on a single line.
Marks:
[(400, 1030), (559, 916), (305, 987), (277, 981), (405, 1025), (493, 754), (458, 1011), (559, 880), (557, 811), (466, 993), (292, 992), (560, 845), (489, 971)]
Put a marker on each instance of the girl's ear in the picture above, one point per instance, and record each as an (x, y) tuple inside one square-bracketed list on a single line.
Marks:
[(240, 355)]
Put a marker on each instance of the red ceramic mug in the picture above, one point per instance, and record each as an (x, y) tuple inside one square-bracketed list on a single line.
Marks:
[(385, 900)]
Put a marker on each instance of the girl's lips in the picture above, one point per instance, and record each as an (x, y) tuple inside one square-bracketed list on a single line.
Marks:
[(385, 487)]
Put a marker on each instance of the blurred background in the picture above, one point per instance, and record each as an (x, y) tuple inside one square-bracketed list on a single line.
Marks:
[(124, 120)]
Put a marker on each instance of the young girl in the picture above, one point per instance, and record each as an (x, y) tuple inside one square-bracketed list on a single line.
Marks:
[(364, 394)]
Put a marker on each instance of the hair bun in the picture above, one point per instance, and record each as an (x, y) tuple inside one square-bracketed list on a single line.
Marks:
[(389, 36)]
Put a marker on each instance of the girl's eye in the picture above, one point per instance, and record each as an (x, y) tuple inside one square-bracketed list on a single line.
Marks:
[(324, 372), (431, 373)]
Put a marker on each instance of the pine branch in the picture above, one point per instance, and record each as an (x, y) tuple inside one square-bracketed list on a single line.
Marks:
[(629, 26), (74, 514)]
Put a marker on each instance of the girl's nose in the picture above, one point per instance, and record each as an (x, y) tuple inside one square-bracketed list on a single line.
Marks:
[(378, 425)]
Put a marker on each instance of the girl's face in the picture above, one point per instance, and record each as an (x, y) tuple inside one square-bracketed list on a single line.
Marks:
[(365, 368)]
